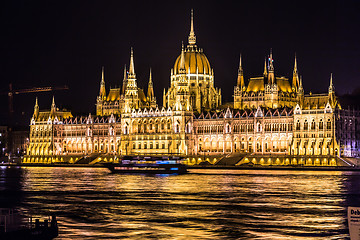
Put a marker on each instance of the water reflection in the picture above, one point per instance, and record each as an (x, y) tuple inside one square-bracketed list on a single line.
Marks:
[(205, 204)]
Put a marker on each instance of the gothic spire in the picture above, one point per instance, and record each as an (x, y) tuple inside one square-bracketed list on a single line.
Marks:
[(124, 81), (150, 93), (331, 87), (192, 37), (295, 83), (53, 106), (300, 85), (240, 80), (265, 69), (36, 108), (271, 76), (182, 58), (131, 68), (102, 93)]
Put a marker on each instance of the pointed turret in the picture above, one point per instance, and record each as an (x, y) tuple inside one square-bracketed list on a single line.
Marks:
[(265, 69), (271, 76), (300, 85), (240, 80), (131, 68), (331, 86), (150, 93), (300, 93), (102, 93), (295, 82), (36, 109), (131, 94), (53, 107), (192, 37), (124, 81), (182, 60), (332, 97)]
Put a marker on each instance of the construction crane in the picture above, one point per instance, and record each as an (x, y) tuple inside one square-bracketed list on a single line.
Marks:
[(12, 92)]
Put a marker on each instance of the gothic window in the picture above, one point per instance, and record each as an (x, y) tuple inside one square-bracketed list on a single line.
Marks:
[(258, 127), (298, 125), (321, 124), (328, 124), (177, 130), (111, 131), (306, 125), (151, 145), (313, 124), (228, 129)]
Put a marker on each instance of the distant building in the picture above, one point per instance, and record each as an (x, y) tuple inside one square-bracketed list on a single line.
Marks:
[(270, 116), (3, 140)]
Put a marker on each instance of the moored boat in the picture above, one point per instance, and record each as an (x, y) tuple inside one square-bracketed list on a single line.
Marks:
[(148, 165)]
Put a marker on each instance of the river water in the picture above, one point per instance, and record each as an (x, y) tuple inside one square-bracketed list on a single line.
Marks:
[(91, 203)]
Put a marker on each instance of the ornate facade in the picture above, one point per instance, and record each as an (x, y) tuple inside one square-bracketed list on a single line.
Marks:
[(270, 116)]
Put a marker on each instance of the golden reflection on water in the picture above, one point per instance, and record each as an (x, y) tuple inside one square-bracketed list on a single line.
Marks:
[(205, 204)]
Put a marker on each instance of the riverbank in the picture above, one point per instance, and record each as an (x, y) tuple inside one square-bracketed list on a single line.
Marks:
[(237, 167)]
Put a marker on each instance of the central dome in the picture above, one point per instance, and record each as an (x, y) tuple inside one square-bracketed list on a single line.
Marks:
[(195, 61)]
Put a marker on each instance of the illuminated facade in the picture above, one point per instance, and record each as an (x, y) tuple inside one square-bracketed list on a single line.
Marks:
[(270, 116)]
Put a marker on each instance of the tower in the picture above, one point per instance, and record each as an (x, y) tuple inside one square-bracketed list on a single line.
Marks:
[(192, 79), (150, 94), (239, 88), (36, 109), (295, 81), (271, 88), (300, 93), (102, 95), (240, 80), (53, 108), (131, 96), (331, 93), (271, 75), (124, 82)]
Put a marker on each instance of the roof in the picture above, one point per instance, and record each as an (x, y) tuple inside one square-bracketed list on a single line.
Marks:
[(256, 84), (114, 94), (60, 115), (195, 60)]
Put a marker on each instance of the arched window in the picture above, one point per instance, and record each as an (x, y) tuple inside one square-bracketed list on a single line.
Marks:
[(328, 124), (321, 124), (313, 124), (177, 128), (306, 125), (228, 129), (258, 127)]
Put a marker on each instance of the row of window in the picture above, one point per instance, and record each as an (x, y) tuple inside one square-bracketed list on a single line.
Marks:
[(313, 125)]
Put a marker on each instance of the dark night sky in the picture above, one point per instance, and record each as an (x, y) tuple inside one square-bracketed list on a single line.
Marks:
[(53, 43)]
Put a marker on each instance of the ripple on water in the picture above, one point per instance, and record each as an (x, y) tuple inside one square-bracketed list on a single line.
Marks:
[(206, 204)]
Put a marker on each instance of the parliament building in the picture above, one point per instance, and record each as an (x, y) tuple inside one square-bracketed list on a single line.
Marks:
[(271, 121)]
